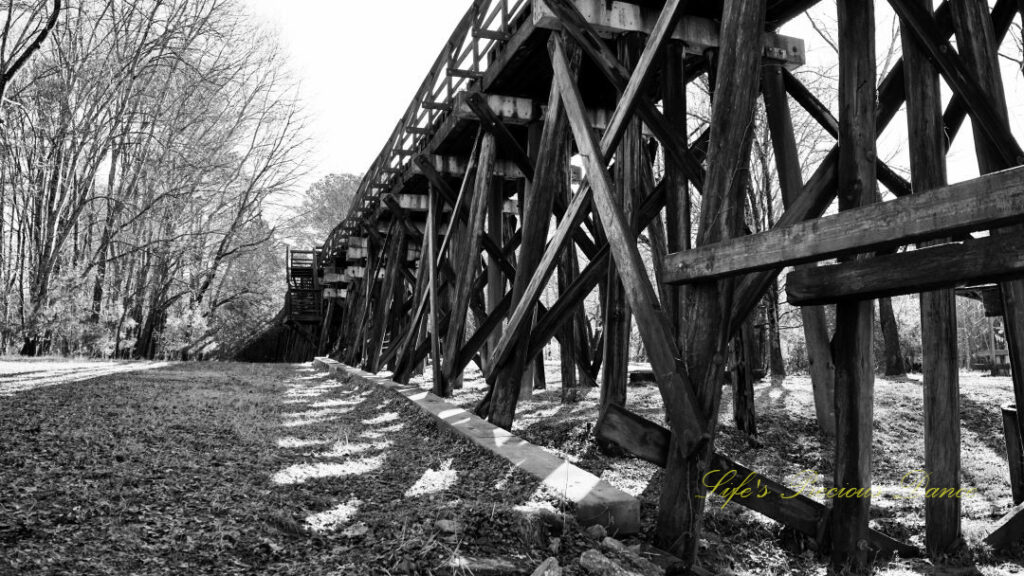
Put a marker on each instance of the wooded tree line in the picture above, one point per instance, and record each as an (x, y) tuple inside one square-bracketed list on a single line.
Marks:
[(138, 148)]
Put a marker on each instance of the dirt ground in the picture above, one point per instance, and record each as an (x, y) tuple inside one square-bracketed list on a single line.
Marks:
[(220, 468), (171, 468)]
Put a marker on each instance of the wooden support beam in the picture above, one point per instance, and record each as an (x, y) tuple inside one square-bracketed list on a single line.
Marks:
[(432, 290), (1009, 529), (736, 67), (614, 18), (459, 211), (986, 202), (820, 189), (978, 39), (617, 318), (979, 103), (650, 442), (576, 209), (941, 374), (395, 261), (568, 271), (886, 175), (688, 420), (992, 258), (780, 124), (493, 125), (677, 195), (855, 378), (467, 267), (595, 47), (1014, 451), (495, 278), (456, 166), (507, 375)]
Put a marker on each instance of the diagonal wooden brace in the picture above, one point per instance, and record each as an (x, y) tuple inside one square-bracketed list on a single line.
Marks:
[(655, 328)]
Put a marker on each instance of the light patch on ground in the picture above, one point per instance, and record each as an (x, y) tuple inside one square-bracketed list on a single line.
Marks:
[(339, 403), (346, 449), (382, 432), (382, 419), (293, 442), (334, 518), (310, 417), (21, 376), (306, 391), (300, 473), (434, 481)]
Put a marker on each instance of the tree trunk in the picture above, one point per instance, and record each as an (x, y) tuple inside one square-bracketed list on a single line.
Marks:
[(894, 365)]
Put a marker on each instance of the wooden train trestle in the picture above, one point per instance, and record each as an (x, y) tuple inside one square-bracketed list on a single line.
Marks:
[(451, 241)]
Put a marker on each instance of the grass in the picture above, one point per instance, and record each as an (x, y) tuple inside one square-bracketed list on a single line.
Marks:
[(242, 469), (203, 468)]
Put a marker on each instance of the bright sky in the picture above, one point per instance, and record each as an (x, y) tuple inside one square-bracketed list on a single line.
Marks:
[(359, 65)]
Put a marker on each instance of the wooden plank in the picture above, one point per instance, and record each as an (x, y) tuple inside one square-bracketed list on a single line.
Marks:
[(1009, 529), (688, 420), (650, 442), (854, 384), (987, 202), (992, 258)]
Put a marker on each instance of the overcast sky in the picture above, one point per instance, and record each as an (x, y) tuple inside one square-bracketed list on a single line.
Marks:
[(360, 63)]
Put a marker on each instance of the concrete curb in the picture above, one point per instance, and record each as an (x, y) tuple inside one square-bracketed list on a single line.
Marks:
[(597, 502)]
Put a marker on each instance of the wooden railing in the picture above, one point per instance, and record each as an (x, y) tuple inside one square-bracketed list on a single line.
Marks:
[(463, 61)]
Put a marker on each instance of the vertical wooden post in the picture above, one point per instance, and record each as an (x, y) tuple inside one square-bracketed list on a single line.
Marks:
[(440, 386), (707, 305), (938, 309), (536, 219), (617, 319), (568, 271), (1014, 451), (677, 192), (466, 266), (787, 160), (976, 41), (392, 278), (533, 144), (495, 277), (855, 379)]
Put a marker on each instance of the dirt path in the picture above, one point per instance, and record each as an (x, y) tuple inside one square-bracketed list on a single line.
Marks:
[(241, 469)]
